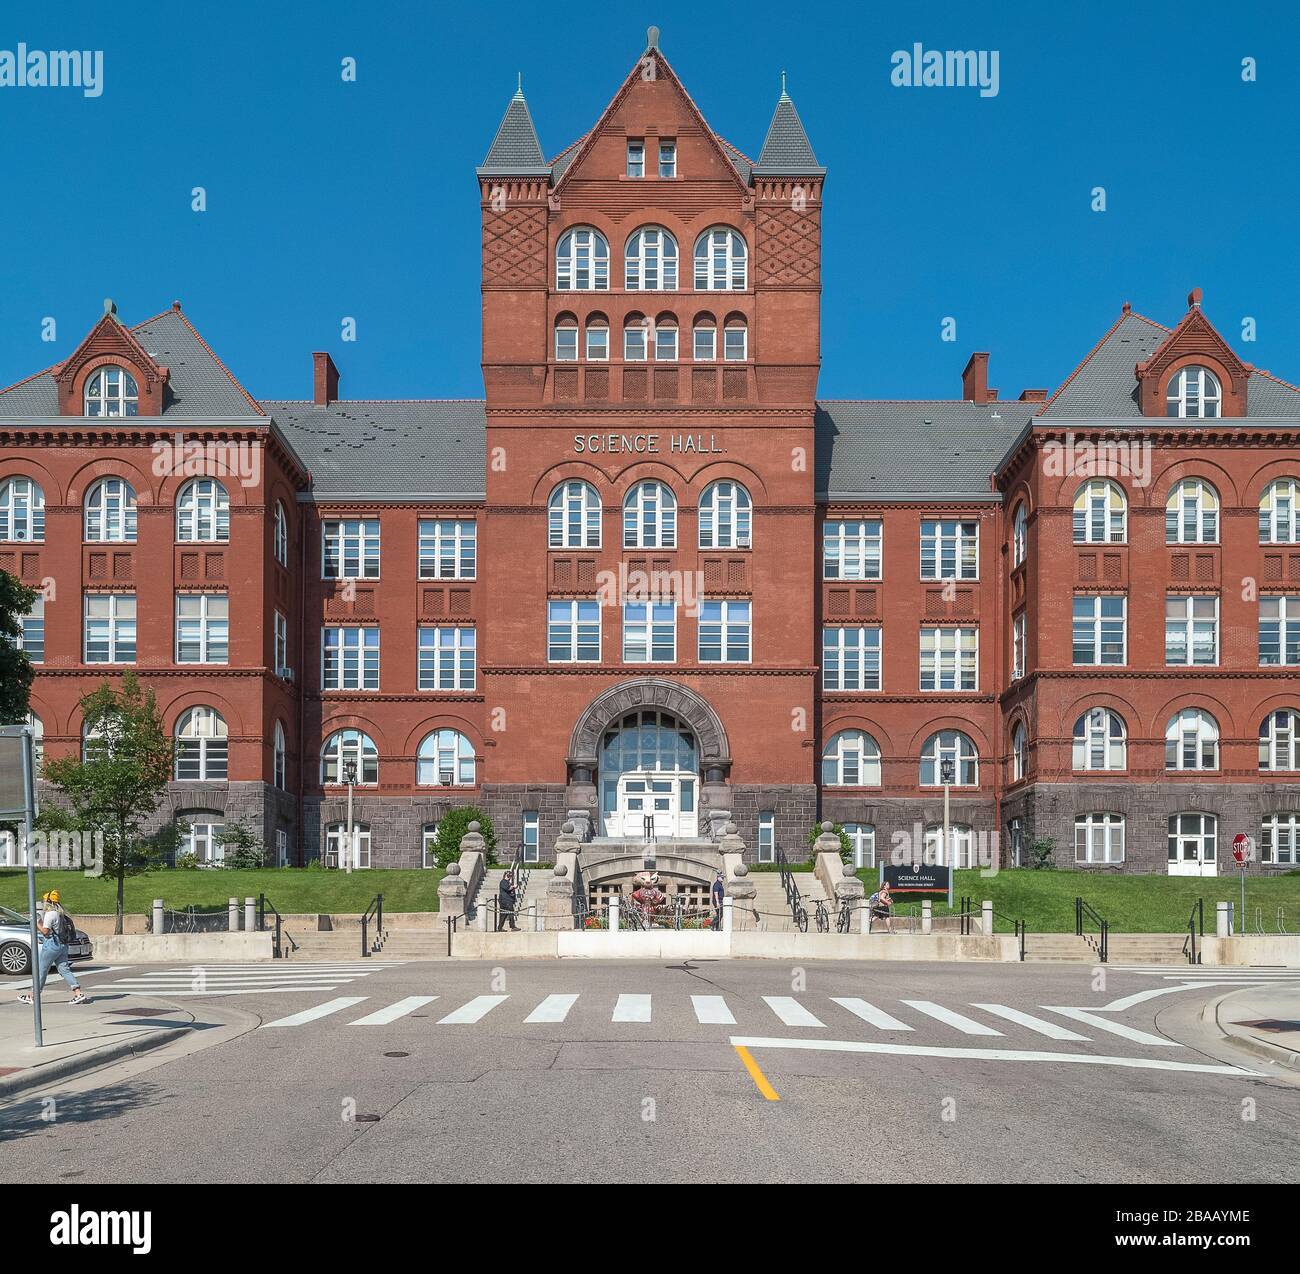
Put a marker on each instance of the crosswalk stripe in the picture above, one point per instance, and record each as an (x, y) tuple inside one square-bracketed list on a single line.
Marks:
[(1115, 1028), (479, 1007), (790, 1011), (209, 995), (632, 1008), (712, 1010), (869, 1013), (555, 1008), (400, 1009), (1039, 1024), (965, 1025), (320, 1010)]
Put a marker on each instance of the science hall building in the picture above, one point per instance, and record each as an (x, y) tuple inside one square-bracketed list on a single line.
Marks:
[(651, 576)]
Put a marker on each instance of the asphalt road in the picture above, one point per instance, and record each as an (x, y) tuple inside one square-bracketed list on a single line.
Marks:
[(630, 1072)]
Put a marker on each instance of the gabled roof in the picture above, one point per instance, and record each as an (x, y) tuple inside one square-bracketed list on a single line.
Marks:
[(787, 152), (199, 384), (515, 150)]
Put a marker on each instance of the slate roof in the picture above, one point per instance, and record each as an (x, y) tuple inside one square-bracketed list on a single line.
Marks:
[(515, 150), (937, 450), (394, 449), (787, 150)]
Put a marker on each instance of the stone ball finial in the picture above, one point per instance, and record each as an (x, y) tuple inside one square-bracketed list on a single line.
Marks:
[(453, 869), (828, 827), (742, 870), (730, 829), (473, 827), (562, 870), (568, 829)]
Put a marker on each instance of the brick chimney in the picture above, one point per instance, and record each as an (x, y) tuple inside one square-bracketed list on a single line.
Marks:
[(975, 381), (325, 379), (1033, 395)]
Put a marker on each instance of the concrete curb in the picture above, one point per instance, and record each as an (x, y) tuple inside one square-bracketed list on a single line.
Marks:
[(1262, 1049), (39, 1076)]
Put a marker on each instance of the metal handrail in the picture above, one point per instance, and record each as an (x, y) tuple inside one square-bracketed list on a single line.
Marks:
[(793, 898), (375, 909), (1083, 911), (281, 936), (1195, 920)]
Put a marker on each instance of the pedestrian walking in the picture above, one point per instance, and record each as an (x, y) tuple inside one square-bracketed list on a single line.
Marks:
[(718, 892), (506, 901), (882, 905), (55, 930)]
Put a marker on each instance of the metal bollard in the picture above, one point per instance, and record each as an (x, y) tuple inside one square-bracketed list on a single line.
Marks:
[(1222, 920), (927, 916), (233, 915), (158, 920), (986, 916)]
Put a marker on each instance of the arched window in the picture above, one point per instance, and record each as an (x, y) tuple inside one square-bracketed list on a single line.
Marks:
[(704, 347), (851, 759), (650, 517), (446, 759), (636, 338), (203, 512), (110, 512), (1100, 513), (650, 262), (111, 391), (573, 516), (566, 339), (1192, 741), (1193, 394), (597, 339), (38, 741), (1279, 512), (279, 768), (100, 737), (22, 511), (954, 747), (735, 341), (1019, 534), (349, 745), (582, 261), (721, 261), (1019, 752), (1192, 513), (725, 512), (281, 535), (1279, 740), (1100, 741), (202, 746)]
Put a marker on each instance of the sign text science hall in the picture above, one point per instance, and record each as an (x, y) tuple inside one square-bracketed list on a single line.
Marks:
[(646, 444)]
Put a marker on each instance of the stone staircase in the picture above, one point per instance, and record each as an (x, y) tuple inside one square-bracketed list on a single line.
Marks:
[(538, 878), (774, 912), (1122, 948)]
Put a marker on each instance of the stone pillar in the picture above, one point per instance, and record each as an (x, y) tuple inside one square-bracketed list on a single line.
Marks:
[(232, 915), (559, 899), (728, 914), (613, 913), (250, 914), (841, 885), (159, 920), (1222, 920), (740, 889), (451, 893)]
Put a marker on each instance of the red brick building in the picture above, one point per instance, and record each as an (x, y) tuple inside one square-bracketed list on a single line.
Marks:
[(650, 575)]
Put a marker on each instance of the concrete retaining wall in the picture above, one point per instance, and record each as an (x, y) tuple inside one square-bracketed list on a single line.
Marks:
[(1252, 948), (96, 925), (185, 948)]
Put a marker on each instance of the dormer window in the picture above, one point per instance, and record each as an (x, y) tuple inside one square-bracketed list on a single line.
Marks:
[(1193, 394), (636, 159), (112, 391)]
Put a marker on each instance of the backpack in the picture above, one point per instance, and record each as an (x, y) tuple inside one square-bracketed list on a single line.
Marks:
[(65, 932)]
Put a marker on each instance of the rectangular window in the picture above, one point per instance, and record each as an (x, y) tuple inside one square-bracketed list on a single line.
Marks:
[(1100, 630), (724, 633), (767, 836), (1018, 646), (949, 658), (850, 658), (706, 344), (852, 550), (1099, 838), (281, 644), (448, 550), (636, 159), (665, 344), (634, 344), (31, 637), (597, 344), (350, 549), (649, 633), (109, 636), (667, 159), (202, 628), (735, 345), (350, 658), (573, 632), (950, 550), (429, 845), (446, 659), (1279, 631), (1191, 630), (532, 843), (566, 344)]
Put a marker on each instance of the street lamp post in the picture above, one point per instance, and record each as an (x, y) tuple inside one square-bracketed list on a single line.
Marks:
[(947, 774), (350, 776)]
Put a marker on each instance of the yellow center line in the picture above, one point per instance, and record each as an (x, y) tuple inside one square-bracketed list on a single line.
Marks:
[(755, 1074)]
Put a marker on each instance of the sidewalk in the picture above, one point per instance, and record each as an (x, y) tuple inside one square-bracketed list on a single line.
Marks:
[(1262, 1020), (107, 1028)]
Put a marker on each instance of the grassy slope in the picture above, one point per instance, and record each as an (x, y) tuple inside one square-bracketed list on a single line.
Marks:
[(289, 889)]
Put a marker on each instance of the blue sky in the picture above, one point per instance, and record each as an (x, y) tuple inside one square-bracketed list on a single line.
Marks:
[(328, 199)]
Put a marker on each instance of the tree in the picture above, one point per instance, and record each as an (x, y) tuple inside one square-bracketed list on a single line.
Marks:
[(121, 780), (846, 845), (455, 823), (242, 848), (15, 667)]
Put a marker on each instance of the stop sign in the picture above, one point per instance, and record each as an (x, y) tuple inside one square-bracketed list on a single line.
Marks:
[(1243, 848)]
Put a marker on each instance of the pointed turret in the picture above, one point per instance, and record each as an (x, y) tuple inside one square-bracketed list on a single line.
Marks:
[(515, 151), (787, 152)]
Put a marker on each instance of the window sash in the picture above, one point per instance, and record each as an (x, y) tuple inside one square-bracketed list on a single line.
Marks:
[(852, 550), (350, 549), (851, 659), (446, 659), (649, 632), (949, 550), (448, 550), (573, 632), (202, 628), (350, 658), (1279, 631), (1100, 630), (109, 628), (949, 659), (724, 632)]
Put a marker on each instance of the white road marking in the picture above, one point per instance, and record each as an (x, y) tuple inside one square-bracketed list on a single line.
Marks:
[(394, 1011), (985, 1054), (207, 995), (964, 1024), (869, 1013), (479, 1007), (790, 1011), (320, 1010), (632, 1008), (712, 1010), (79, 971), (1115, 1028), (1039, 1024), (555, 1008), (1138, 997)]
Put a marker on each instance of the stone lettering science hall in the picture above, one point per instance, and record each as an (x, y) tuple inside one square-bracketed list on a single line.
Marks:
[(649, 582)]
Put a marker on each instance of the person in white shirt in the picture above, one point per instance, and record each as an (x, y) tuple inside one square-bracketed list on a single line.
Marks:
[(53, 953)]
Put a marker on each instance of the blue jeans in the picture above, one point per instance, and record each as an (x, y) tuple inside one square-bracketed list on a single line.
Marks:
[(54, 955)]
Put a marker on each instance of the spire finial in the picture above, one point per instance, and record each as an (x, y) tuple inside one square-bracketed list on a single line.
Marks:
[(652, 37), (519, 88), (783, 92)]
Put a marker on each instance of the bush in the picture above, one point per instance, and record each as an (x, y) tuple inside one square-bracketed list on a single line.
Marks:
[(454, 825), (1040, 854), (846, 845), (186, 861), (243, 850)]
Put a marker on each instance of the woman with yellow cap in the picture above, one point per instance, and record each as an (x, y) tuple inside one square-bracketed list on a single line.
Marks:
[(54, 925)]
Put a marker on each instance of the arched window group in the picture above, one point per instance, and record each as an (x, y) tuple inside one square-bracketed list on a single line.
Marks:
[(1193, 393), (649, 516), (650, 261), (111, 391), (445, 759), (203, 512), (851, 758), (647, 339), (110, 512)]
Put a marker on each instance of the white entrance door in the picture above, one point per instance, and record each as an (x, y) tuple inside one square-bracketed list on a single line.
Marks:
[(666, 798), (1193, 845)]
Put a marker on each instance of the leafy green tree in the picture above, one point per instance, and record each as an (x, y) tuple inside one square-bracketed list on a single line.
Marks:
[(15, 667), (122, 779), (846, 845), (454, 825), (243, 849)]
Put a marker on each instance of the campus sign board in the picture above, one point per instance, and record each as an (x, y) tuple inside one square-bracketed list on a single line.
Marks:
[(915, 878)]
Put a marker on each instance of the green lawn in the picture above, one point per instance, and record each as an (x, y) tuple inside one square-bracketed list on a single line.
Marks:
[(290, 889), (1044, 900)]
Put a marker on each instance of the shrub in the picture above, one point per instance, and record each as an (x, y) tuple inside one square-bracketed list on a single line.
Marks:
[(846, 845), (187, 861), (243, 849), (454, 825), (1040, 854)]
